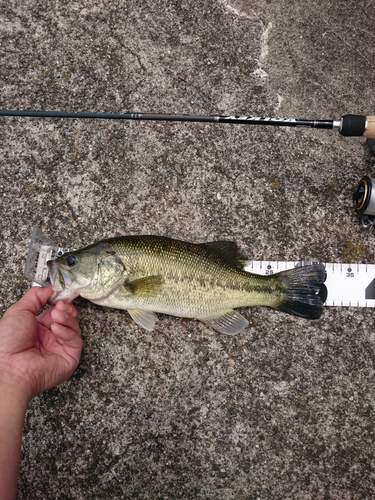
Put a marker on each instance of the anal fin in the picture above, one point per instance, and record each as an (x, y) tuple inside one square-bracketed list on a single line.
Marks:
[(145, 319), (230, 322)]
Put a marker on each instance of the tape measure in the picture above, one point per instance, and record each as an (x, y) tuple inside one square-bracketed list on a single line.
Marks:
[(348, 285)]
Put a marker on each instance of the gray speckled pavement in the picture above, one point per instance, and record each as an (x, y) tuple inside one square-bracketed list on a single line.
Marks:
[(285, 409)]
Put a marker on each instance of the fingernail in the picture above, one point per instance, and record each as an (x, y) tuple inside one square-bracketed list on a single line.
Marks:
[(68, 308)]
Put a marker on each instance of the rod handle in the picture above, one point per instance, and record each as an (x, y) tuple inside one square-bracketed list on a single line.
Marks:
[(370, 129), (357, 125)]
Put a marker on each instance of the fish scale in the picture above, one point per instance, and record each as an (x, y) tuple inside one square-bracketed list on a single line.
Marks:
[(189, 268), (147, 274)]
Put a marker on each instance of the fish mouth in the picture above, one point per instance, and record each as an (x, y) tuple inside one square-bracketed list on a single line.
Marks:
[(56, 277), (61, 281)]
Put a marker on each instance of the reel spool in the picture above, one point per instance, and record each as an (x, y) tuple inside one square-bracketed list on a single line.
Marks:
[(364, 201)]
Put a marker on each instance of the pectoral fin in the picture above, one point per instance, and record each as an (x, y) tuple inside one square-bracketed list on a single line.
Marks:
[(145, 319), (149, 286), (231, 322)]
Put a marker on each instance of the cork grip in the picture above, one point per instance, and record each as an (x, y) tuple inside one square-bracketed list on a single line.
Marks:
[(370, 128)]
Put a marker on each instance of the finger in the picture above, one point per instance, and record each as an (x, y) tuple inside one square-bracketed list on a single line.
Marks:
[(64, 319), (69, 340), (45, 318), (66, 334), (68, 308), (33, 300)]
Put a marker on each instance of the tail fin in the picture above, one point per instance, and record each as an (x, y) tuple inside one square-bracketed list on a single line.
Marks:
[(304, 292)]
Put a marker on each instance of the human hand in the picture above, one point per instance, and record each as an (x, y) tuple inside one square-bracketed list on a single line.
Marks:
[(38, 352)]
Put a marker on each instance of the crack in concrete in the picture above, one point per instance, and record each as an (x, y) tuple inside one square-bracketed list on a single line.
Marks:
[(264, 46)]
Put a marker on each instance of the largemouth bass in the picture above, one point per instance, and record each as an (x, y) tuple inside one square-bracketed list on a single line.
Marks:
[(148, 274)]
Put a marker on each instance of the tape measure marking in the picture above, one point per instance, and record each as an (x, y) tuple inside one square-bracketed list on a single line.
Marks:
[(348, 285)]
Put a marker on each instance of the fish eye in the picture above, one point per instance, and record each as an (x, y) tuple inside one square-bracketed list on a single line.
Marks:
[(71, 260)]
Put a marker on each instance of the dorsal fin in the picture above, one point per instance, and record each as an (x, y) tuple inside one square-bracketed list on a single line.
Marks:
[(227, 250)]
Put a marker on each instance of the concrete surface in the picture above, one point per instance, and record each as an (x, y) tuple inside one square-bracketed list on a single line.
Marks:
[(283, 410)]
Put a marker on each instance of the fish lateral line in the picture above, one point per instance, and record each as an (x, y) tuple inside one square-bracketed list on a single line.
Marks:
[(202, 281)]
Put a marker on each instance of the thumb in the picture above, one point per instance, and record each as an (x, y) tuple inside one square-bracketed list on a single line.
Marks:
[(33, 300)]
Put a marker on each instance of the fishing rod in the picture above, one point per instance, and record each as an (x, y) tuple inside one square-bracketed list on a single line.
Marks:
[(347, 125)]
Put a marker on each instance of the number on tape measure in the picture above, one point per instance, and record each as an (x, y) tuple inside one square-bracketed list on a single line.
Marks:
[(348, 285)]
